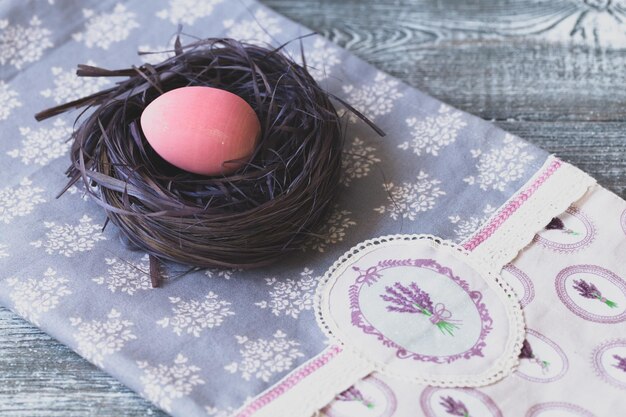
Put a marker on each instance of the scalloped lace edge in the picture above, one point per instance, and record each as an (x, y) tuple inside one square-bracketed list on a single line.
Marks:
[(506, 363)]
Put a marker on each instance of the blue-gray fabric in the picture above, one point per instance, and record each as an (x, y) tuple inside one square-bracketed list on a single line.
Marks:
[(27, 234)]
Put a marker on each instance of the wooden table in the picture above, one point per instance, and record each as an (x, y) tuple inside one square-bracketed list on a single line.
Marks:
[(550, 71)]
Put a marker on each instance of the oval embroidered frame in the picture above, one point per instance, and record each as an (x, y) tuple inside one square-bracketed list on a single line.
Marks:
[(599, 366), (572, 409), (590, 234), (371, 275), (487, 402), (559, 352), (502, 358), (611, 277)]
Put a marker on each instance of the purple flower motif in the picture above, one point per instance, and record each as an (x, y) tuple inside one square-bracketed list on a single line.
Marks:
[(621, 363), (586, 289), (527, 353), (414, 300), (589, 290), (407, 300), (557, 224), (353, 394), (454, 407)]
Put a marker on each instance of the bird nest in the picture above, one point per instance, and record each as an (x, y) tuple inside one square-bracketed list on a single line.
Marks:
[(249, 218)]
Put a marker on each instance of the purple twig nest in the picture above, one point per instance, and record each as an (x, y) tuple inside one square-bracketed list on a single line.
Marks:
[(246, 219)]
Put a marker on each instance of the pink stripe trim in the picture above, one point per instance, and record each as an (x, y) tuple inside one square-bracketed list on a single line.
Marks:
[(291, 381), (511, 207)]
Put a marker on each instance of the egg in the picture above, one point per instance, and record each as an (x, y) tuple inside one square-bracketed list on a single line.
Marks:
[(203, 130)]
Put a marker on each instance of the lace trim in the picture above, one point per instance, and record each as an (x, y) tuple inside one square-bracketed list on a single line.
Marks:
[(509, 359), (549, 193), (335, 369)]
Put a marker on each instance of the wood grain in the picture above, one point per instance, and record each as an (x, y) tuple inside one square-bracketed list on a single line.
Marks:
[(550, 71)]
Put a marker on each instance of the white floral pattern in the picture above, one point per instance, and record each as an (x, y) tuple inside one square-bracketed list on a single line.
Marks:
[(33, 297), (68, 86), (224, 273), (333, 231), (374, 99), (19, 201), (79, 189), (500, 166), (192, 317), (409, 199), (187, 11), (98, 339), (20, 45), (262, 358), (434, 132), (68, 239), (464, 228), (291, 296), (163, 384), (260, 30), (357, 161), (8, 100), (321, 58), (126, 276), (104, 29), (40, 146), (4, 251)]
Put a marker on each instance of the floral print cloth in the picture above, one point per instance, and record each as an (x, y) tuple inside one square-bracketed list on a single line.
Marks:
[(223, 336)]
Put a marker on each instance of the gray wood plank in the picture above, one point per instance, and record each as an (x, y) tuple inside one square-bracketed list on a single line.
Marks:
[(550, 71), (517, 63), (462, 53), (596, 148)]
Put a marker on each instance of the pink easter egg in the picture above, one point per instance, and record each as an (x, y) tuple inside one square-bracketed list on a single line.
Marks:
[(203, 130)]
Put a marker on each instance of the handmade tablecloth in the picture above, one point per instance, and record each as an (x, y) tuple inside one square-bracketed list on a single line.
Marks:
[(231, 342)]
